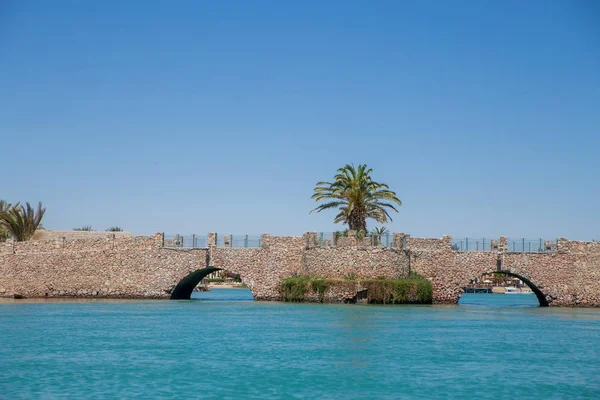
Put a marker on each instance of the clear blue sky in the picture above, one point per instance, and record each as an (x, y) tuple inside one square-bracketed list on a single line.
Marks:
[(197, 116)]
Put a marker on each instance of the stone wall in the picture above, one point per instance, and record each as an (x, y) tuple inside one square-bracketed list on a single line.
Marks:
[(569, 275), (134, 267), (428, 244), (263, 269), (107, 241), (110, 265), (141, 267), (44, 234)]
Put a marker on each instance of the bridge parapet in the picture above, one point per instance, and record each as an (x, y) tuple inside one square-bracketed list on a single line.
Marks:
[(573, 246), (567, 271), (428, 244)]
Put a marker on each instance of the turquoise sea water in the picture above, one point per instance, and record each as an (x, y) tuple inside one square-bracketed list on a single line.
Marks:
[(223, 345)]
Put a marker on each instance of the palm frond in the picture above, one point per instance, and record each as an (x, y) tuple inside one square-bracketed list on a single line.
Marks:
[(21, 222)]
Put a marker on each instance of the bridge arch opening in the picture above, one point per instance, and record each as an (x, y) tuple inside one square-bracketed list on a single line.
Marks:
[(476, 283), (185, 287), (207, 279)]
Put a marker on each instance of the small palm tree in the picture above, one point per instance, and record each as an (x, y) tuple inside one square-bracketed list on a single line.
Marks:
[(21, 222), (357, 197), (4, 206), (114, 229), (85, 228), (379, 232)]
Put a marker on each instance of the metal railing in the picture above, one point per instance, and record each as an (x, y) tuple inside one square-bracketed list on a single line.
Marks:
[(332, 237), (245, 241), (185, 241), (325, 237), (472, 244), (195, 241), (522, 245), (240, 241), (514, 245)]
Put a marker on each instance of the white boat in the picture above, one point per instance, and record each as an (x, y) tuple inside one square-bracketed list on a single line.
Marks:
[(514, 290)]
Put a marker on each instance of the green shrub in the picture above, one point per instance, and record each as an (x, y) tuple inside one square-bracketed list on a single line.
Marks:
[(294, 289), (319, 286), (412, 290)]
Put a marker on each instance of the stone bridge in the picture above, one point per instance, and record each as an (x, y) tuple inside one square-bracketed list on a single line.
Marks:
[(567, 273)]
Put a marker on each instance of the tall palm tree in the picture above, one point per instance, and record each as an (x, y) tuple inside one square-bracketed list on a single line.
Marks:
[(21, 222), (357, 197)]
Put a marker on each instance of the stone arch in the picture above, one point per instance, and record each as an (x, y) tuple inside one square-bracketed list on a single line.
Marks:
[(536, 290), (186, 286)]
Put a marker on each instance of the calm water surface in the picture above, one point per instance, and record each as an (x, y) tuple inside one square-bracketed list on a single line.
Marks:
[(224, 345)]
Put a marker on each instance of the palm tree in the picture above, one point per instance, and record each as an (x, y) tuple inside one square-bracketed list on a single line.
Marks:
[(114, 229), (379, 232), (357, 197), (85, 228), (4, 206), (21, 222)]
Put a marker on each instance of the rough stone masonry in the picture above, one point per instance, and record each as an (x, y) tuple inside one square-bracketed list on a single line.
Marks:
[(123, 266)]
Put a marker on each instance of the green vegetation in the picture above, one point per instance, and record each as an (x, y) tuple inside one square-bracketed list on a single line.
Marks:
[(411, 290), (294, 289), (85, 228), (4, 206), (339, 234), (113, 229), (18, 221), (357, 197), (319, 286)]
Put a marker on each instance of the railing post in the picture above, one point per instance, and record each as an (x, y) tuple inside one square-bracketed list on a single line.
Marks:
[(523, 245), (466, 244), (193, 240), (246, 242), (321, 239)]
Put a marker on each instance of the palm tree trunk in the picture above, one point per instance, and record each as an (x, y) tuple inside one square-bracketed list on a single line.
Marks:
[(358, 220)]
